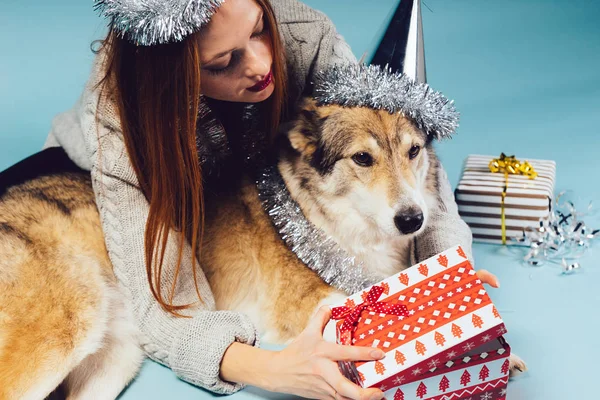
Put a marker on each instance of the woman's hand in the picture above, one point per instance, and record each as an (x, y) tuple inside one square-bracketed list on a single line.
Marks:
[(308, 366), (488, 277)]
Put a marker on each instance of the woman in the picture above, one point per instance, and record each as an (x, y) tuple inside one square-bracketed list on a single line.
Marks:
[(149, 127)]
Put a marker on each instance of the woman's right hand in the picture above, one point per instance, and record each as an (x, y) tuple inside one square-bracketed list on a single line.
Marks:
[(308, 366)]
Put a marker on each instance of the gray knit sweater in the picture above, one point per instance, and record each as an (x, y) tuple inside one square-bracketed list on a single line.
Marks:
[(193, 347)]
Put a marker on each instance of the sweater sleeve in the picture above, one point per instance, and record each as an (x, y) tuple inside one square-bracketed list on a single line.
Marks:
[(192, 347), (311, 44), (445, 228)]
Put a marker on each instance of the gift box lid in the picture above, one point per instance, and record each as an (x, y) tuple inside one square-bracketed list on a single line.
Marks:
[(480, 187), (448, 312)]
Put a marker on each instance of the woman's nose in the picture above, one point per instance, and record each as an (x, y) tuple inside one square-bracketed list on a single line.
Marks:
[(259, 62)]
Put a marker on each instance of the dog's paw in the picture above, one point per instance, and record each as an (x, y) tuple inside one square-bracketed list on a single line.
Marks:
[(516, 365)]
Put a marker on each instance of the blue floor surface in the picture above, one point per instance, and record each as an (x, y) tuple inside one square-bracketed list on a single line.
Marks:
[(525, 76)]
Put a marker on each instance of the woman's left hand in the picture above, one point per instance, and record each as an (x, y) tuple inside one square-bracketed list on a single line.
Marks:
[(488, 277)]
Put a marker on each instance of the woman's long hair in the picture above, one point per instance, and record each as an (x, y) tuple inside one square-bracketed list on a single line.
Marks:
[(157, 91)]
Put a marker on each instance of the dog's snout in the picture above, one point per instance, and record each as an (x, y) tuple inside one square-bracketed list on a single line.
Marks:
[(409, 222)]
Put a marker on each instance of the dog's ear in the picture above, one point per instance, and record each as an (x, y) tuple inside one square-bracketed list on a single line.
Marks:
[(305, 131)]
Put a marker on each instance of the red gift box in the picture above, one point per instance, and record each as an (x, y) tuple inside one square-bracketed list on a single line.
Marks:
[(480, 374), (422, 318)]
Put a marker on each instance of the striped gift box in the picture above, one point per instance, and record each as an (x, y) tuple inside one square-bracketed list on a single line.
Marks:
[(479, 198)]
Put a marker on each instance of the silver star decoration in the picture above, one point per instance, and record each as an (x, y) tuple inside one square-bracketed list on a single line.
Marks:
[(417, 371)]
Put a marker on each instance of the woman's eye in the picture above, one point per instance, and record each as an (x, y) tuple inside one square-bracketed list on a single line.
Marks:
[(414, 151), (233, 61), (363, 159)]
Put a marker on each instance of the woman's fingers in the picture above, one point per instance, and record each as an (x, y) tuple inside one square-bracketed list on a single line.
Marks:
[(488, 277), (346, 389), (338, 352), (317, 323)]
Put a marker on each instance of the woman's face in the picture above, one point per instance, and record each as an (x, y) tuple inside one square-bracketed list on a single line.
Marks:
[(236, 55)]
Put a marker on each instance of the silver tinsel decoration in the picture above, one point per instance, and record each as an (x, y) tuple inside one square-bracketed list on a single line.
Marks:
[(311, 245), (150, 22), (561, 239), (380, 88)]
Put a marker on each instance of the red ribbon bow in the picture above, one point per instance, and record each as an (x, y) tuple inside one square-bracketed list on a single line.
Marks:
[(351, 315)]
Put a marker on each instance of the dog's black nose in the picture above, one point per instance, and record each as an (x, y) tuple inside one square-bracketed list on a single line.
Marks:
[(409, 223)]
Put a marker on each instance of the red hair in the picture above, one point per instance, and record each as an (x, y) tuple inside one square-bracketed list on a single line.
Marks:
[(157, 91)]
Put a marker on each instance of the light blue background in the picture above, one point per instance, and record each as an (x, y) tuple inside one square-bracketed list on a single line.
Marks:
[(525, 76)]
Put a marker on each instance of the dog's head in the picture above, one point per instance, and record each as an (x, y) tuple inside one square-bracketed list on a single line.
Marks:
[(373, 170)]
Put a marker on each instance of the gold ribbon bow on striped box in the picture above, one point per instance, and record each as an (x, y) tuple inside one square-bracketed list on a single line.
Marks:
[(498, 197)]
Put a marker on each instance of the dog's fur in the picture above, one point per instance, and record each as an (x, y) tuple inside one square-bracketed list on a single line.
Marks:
[(62, 316), (354, 204)]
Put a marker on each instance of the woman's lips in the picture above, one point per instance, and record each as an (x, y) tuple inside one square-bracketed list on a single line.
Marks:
[(262, 85)]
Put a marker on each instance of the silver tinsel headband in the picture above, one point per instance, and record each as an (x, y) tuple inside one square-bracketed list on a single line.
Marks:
[(150, 22), (371, 86)]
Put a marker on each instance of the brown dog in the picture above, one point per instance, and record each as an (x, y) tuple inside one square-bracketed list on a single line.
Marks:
[(366, 178)]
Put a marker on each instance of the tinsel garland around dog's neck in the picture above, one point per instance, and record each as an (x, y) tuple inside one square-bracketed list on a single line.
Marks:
[(312, 246)]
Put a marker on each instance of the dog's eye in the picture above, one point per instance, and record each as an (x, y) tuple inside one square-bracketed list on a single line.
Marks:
[(414, 151), (363, 159)]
